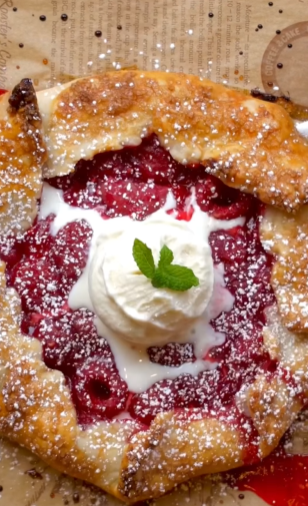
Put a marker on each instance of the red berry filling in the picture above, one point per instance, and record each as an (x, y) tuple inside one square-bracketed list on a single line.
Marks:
[(43, 268)]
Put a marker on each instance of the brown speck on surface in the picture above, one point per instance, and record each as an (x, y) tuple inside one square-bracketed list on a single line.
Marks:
[(45, 61), (66, 501), (278, 32), (22, 95), (241, 496), (14, 9), (290, 45), (257, 29), (76, 498), (270, 84), (119, 27), (33, 473), (21, 45), (236, 72), (1, 488), (211, 15), (43, 18), (256, 93), (270, 4), (260, 26), (18, 67), (241, 52), (64, 17), (280, 11), (279, 65), (98, 33)]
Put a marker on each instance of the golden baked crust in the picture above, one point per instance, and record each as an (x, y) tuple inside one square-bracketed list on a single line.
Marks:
[(249, 144), (21, 157), (36, 409), (286, 236)]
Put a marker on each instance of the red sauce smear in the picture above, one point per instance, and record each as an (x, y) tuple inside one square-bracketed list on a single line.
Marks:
[(280, 480)]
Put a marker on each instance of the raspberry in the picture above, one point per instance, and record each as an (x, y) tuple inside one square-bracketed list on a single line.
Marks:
[(70, 249), (39, 286), (126, 198), (70, 340), (98, 391), (172, 354), (159, 397)]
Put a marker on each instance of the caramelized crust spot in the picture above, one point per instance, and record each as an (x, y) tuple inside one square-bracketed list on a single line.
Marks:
[(22, 154)]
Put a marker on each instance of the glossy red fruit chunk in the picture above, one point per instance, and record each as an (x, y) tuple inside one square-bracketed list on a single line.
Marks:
[(9, 251), (39, 285), (37, 241), (220, 201), (185, 391), (70, 249), (71, 339), (98, 391), (172, 354), (229, 246), (126, 198), (85, 196), (158, 398)]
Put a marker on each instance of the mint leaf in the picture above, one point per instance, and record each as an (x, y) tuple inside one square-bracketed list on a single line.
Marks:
[(166, 256), (144, 258), (174, 277), (166, 275)]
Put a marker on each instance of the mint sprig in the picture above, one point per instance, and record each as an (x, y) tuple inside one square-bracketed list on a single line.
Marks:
[(165, 275)]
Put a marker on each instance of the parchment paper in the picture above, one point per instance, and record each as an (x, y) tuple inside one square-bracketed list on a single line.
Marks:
[(242, 43)]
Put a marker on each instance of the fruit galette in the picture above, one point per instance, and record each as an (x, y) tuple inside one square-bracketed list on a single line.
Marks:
[(154, 297)]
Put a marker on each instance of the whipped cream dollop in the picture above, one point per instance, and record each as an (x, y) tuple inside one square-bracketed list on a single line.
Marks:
[(125, 300)]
